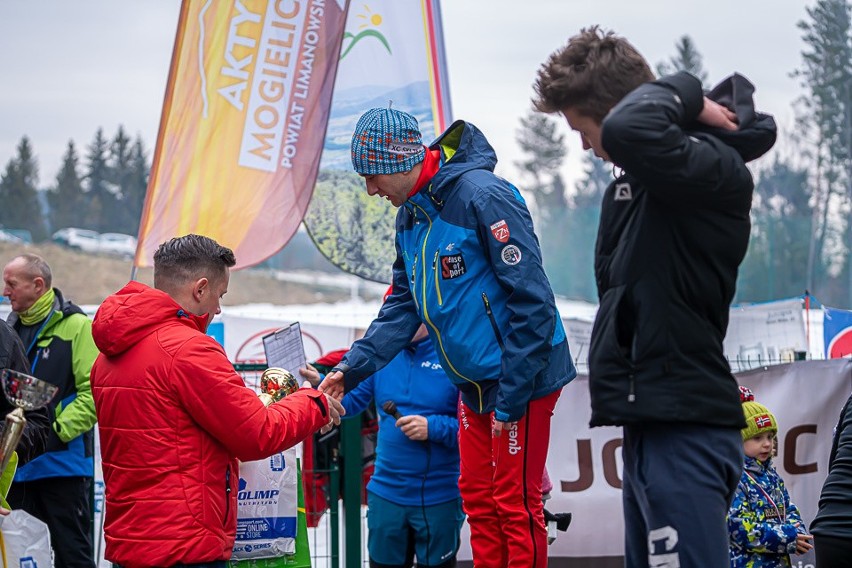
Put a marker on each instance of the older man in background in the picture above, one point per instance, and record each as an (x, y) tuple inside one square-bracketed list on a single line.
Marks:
[(57, 336)]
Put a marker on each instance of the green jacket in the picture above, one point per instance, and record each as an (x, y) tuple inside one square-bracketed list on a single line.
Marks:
[(63, 353)]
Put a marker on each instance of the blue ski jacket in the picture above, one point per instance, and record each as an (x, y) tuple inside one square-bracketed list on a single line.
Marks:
[(415, 382), (762, 521), (469, 266)]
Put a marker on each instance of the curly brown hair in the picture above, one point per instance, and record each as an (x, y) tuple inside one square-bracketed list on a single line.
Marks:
[(590, 74)]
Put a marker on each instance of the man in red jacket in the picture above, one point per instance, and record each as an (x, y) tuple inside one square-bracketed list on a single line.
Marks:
[(174, 416)]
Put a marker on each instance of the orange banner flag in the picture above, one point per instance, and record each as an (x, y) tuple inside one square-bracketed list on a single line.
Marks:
[(243, 123)]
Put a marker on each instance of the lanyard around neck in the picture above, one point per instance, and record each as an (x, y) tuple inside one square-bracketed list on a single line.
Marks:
[(781, 517), (35, 339)]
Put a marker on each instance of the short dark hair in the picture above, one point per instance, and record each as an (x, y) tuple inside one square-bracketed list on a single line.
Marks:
[(590, 74), (188, 258), (36, 267)]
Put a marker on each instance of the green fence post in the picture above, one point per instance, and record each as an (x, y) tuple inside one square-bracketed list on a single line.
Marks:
[(350, 449), (334, 510)]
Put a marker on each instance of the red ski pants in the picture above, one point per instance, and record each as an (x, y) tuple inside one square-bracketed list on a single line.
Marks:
[(500, 485)]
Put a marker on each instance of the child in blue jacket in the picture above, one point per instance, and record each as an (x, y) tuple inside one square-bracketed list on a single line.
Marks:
[(765, 527)]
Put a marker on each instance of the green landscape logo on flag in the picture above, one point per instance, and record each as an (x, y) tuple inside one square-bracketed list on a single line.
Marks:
[(371, 23)]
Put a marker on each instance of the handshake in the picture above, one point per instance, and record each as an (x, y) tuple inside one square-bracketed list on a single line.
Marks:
[(276, 383)]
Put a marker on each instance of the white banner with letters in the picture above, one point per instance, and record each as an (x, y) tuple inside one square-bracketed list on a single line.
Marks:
[(765, 334), (585, 463)]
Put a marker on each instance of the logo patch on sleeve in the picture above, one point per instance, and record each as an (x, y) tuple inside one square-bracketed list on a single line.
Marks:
[(510, 255), (500, 230), (452, 266), (623, 192)]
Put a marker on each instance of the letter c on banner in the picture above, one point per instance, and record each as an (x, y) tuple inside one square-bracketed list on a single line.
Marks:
[(610, 465), (790, 442)]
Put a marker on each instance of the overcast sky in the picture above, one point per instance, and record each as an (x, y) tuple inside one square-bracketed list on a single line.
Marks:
[(71, 67)]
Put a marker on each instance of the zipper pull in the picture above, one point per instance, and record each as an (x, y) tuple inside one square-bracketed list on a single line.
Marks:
[(487, 304), (435, 260)]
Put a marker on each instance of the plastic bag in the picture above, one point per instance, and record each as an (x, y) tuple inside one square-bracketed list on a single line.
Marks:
[(25, 541), (266, 507)]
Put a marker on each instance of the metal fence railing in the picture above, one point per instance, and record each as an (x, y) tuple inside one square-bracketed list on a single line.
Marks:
[(337, 524)]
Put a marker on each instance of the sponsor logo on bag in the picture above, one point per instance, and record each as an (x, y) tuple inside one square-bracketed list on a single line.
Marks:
[(244, 494)]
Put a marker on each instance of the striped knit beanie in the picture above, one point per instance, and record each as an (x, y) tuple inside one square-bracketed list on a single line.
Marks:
[(386, 141), (758, 418)]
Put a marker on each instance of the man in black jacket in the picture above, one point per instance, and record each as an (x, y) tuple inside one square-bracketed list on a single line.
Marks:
[(832, 527), (674, 228), (12, 356)]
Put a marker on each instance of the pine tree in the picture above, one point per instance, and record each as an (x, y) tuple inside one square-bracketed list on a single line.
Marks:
[(825, 120), (66, 197), (687, 59), (583, 225), (135, 187), (778, 252), (98, 197), (119, 173), (544, 150), (590, 190), (20, 207)]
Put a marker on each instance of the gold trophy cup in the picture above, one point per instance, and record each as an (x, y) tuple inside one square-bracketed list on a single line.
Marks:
[(275, 384), (25, 392)]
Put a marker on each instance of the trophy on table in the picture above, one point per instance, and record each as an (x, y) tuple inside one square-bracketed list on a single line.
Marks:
[(25, 392), (275, 384)]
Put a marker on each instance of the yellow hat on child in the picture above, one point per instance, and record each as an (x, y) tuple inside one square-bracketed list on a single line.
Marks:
[(758, 418)]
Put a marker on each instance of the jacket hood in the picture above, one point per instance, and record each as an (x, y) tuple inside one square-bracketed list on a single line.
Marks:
[(756, 466), (463, 148), (66, 307), (757, 131), (134, 312)]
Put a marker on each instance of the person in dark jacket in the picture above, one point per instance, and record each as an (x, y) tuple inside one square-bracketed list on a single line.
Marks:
[(55, 486), (674, 228), (832, 526), (34, 438), (469, 267)]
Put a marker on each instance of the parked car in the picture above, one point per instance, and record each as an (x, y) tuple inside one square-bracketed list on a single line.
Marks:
[(7, 237), (24, 235), (83, 239), (118, 244)]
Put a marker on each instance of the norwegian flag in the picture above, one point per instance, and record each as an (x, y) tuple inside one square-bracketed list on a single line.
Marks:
[(763, 421)]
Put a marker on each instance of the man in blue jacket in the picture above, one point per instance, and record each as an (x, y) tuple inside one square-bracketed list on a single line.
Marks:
[(469, 267), (414, 507)]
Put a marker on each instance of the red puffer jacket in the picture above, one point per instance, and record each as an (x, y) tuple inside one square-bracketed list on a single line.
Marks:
[(174, 418)]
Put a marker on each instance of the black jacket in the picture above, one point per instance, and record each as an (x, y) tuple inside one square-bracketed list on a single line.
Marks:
[(834, 517), (34, 438), (673, 231)]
